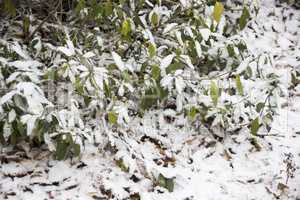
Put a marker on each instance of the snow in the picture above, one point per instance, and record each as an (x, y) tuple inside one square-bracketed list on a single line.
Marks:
[(205, 32), (118, 60), (202, 168), (166, 61)]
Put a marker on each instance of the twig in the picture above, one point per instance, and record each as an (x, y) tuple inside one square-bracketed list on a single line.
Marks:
[(272, 135)]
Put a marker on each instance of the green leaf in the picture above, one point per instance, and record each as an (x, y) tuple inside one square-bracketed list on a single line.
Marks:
[(214, 92), (135, 196), (2, 139), (255, 143), (192, 113), (170, 185), (76, 149), (218, 11), (167, 183), (80, 5), (120, 163), (244, 18), (260, 106), (62, 149), (10, 8), (126, 28), (26, 26), (152, 96), (242, 46), (239, 85), (254, 126), (173, 67), (155, 72), (151, 50), (108, 8), (107, 90), (13, 138), (79, 86), (154, 19), (112, 118), (163, 93), (230, 50), (149, 99)]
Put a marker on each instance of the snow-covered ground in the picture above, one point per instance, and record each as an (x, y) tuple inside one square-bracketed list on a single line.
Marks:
[(242, 167)]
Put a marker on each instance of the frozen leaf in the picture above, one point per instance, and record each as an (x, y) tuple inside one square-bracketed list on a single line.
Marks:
[(166, 81), (89, 54), (11, 116), (100, 42), (169, 27), (129, 87), (118, 60), (186, 59), (18, 49), (7, 97), (205, 33), (198, 49), (29, 120), (165, 62), (121, 91), (68, 52), (122, 113), (179, 38), (149, 36), (167, 183), (179, 102), (112, 117), (243, 66), (26, 65), (184, 3), (180, 85)]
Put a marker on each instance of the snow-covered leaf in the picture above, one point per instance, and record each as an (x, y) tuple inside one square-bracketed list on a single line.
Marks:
[(180, 85), (205, 32), (166, 81), (118, 60), (165, 62)]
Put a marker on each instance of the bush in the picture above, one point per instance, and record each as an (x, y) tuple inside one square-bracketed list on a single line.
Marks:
[(111, 61)]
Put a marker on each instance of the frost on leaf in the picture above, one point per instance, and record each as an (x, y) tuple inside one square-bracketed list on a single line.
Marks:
[(118, 60)]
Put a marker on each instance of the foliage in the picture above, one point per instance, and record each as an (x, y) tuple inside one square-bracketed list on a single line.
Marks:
[(113, 61)]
